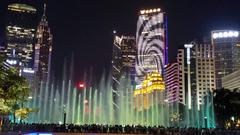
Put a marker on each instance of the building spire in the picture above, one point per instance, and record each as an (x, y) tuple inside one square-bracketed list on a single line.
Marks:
[(44, 10), (44, 18)]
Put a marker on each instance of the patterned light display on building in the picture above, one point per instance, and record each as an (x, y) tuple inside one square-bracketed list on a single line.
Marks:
[(150, 39), (148, 93), (153, 82)]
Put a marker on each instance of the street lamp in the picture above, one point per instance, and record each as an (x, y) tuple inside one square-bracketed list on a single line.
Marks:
[(233, 121), (64, 115), (232, 118)]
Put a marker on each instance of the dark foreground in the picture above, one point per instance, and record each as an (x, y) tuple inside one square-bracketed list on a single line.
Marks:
[(71, 129)]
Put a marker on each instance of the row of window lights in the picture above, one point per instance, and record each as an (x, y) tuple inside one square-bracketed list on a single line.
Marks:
[(150, 11), (203, 76)]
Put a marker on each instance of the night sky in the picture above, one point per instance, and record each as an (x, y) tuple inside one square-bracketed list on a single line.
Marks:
[(84, 27)]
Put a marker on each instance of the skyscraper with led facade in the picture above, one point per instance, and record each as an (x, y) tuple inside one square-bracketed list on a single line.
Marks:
[(226, 45), (151, 43), (43, 49), (20, 33)]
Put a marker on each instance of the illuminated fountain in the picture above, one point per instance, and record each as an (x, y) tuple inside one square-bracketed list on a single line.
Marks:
[(94, 105), (149, 101)]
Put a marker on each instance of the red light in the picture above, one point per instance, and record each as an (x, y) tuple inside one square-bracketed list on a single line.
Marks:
[(81, 85)]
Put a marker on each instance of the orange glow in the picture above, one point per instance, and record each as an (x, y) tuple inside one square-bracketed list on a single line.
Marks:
[(153, 82)]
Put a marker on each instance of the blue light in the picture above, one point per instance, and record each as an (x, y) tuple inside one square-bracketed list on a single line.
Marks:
[(39, 134), (31, 134), (166, 40)]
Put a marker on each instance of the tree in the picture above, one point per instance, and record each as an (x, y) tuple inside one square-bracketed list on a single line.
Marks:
[(22, 113), (14, 90), (227, 105)]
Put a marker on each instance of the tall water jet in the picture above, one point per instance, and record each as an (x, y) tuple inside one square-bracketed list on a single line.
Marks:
[(94, 105)]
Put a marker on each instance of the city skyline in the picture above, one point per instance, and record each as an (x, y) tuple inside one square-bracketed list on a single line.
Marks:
[(147, 63), (201, 26)]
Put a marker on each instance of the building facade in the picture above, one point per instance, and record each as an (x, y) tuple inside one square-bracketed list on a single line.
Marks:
[(232, 81), (181, 77), (205, 71), (185, 77), (192, 76), (124, 55), (29, 74), (151, 43), (20, 33), (123, 66), (43, 49), (172, 81), (199, 73), (226, 45)]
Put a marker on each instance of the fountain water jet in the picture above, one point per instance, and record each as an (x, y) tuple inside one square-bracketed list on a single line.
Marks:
[(94, 105)]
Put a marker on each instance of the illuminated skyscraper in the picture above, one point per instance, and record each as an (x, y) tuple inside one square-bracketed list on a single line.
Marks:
[(174, 80), (193, 75), (176, 77), (20, 33), (205, 71), (124, 55), (226, 45), (43, 49), (123, 64), (151, 43)]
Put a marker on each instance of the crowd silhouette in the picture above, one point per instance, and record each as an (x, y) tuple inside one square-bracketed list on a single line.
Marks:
[(117, 129)]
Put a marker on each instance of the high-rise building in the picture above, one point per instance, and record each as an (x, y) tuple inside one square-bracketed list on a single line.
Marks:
[(172, 81), (231, 81), (150, 92), (29, 74), (124, 53), (151, 43), (226, 45), (180, 82), (193, 75), (181, 76), (205, 71), (116, 64), (175, 84), (128, 47), (123, 64), (20, 33), (199, 72), (43, 49)]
